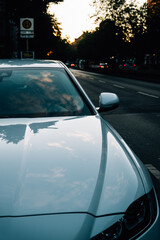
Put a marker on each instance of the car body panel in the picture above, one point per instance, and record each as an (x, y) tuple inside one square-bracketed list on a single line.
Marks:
[(142, 169), (75, 227), (64, 226), (66, 177), (34, 183), (13, 63)]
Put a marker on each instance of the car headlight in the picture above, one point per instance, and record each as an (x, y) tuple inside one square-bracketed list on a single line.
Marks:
[(137, 218)]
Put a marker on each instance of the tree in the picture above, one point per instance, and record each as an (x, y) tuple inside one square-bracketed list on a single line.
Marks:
[(126, 15), (153, 26), (29, 7), (47, 30)]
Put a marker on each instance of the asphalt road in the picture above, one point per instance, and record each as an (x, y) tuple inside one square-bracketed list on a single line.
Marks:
[(137, 119)]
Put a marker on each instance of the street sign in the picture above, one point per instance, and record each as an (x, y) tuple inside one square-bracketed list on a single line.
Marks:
[(26, 27), (27, 54), (26, 24), (27, 32), (24, 35)]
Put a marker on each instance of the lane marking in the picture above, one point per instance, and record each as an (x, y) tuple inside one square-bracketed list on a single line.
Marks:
[(153, 170), (119, 86), (149, 95), (102, 81)]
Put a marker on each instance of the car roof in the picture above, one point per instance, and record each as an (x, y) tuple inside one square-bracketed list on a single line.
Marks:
[(29, 63)]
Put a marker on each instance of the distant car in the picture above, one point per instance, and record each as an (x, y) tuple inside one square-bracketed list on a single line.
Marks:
[(67, 63), (65, 173), (104, 66), (82, 64), (129, 65), (70, 64), (73, 65)]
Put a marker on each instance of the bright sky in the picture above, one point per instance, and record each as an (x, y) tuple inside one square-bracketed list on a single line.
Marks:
[(74, 16)]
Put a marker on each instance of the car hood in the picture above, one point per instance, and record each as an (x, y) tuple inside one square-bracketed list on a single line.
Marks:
[(64, 165)]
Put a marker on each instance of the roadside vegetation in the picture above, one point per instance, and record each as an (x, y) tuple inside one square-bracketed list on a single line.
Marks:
[(127, 32), (127, 35)]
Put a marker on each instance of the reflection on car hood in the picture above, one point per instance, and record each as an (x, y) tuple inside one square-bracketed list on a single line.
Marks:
[(64, 165)]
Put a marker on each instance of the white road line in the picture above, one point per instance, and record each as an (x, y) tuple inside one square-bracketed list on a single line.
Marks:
[(119, 86), (153, 170), (149, 95)]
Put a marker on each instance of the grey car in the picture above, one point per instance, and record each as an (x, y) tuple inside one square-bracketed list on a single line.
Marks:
[(65, 173)]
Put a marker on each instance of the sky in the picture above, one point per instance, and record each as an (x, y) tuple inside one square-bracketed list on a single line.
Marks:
[(74, 16)]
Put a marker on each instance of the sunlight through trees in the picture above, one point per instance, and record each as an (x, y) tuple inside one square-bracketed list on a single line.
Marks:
[(127, 15)]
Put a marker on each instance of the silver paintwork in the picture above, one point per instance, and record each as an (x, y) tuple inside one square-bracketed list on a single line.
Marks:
[(108, 101), (61, 177), (65, 165)]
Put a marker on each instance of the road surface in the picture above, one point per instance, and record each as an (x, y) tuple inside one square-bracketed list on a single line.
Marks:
[(137, 119)]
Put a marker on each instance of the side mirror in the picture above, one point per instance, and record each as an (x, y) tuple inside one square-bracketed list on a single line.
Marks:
[(108, 101)]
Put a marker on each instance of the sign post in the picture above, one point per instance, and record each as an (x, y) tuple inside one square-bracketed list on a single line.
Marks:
[(27, 31)]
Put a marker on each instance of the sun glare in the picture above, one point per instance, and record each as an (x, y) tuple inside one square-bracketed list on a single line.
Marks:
[(74, 16)]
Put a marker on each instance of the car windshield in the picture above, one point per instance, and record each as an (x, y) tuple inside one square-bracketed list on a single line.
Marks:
[(40, 92)]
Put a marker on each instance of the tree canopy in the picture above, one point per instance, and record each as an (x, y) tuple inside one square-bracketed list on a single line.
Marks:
[(29, 8), (121, 31), (153, 26), (125, 30), (126, 15), (47, 30)]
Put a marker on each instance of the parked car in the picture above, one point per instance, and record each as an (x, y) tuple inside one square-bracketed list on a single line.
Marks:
[(81, 64), (65, 173)]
